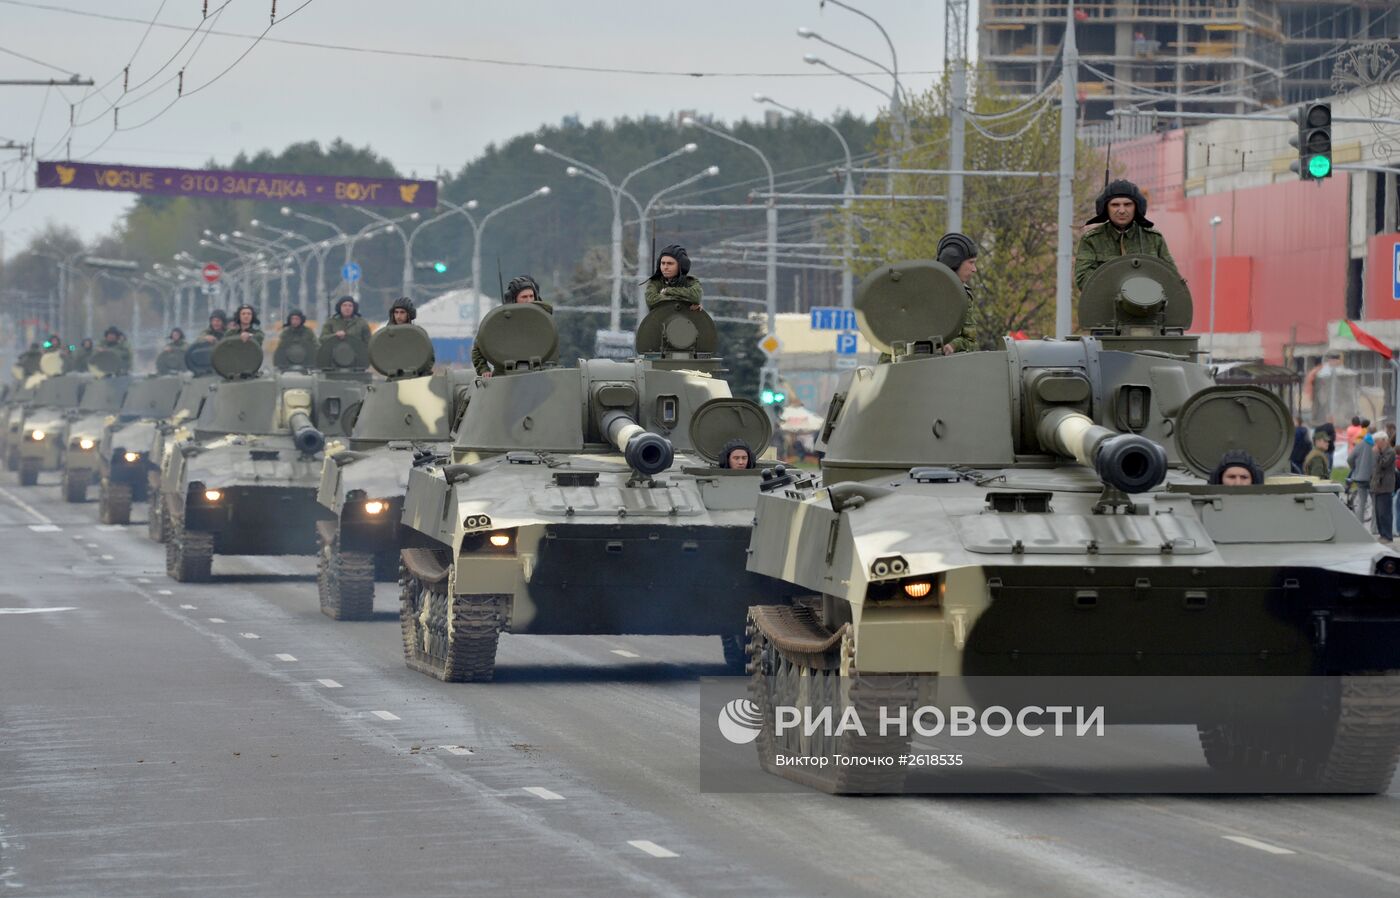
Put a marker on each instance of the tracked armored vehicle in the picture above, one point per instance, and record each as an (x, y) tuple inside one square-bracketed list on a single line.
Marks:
[(17, 403), (245, 482), (102, 399), (1044, 511), (38, 431), (401, 419), (175, 428), (582, 500), (123, 452)]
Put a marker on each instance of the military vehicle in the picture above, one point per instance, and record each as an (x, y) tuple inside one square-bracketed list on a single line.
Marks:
[(1045, 509), (363, 479), (245, 482), (38, 439), (177, 427), (582, 501), (20, 400), (102, 398), (123, 451)]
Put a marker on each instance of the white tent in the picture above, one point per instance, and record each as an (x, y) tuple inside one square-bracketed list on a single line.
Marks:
[(452, 315)]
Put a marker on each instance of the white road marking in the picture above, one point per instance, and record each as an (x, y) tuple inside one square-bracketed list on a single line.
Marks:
[(33, 512), (329, 684), (285, 657), (250, 636), (384, 715), (626, 654), (187, 607), (46, 528), (652, 848), (1255, 843), (143, 579), (110, 528), (109, 558), (35, 610), (217, 620), (166, 592), (456, 749), (92, 545), (546, 794)]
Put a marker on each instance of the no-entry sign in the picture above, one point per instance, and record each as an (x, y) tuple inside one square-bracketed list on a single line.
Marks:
[(212, 271)]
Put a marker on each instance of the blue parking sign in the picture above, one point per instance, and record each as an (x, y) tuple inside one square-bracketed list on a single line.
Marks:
[(846, 344)]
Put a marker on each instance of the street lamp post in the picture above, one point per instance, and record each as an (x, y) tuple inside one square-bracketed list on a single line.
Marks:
[(478, 229), (771, 274), (1214, 228), (643, 254), (617, 190), (320, 262), (393, 223), (302, 286), (848, 194)]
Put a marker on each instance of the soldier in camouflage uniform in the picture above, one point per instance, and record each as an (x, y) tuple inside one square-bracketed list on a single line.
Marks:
[(218, 324), (245, 326), (1120, 227), (671, 280), (958, 252), (346, 323), (295, 331), (114, 341), (520, 289)]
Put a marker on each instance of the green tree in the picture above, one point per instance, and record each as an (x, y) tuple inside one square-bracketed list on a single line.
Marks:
[(1012, 220)]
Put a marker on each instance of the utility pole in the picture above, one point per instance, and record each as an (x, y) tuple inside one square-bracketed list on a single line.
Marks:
[(1064, 220), (955, 57)]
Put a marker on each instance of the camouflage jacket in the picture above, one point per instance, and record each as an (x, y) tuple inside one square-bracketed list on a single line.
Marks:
[(210, 332), (355, 328), (686, 290), (1103, 242), (290, 336), (479, 361), (1315, 465)]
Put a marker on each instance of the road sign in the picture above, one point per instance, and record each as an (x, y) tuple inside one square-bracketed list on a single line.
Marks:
[(609, 344), (846, 344), (1395, 294), (212, 271), (770, 344), (833, 318), (350, 272)]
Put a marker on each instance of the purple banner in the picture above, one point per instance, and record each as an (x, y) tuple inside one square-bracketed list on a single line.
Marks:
[(343, 190)]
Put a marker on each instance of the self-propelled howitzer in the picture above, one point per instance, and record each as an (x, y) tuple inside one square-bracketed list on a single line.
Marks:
[(583, 500), (1045, 510)]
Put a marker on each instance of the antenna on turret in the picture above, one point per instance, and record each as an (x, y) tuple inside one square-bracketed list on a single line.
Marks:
[(499, 279), (1107, 156)]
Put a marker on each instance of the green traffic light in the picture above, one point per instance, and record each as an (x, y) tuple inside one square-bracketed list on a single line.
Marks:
[(779, 398), (440, 267), (768, 397), (1319, 166)]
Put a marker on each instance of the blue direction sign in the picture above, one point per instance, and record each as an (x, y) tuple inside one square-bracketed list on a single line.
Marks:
[(846, 344), (350, 272), (833, 318)]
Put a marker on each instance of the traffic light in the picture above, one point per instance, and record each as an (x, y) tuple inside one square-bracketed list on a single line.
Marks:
[(440, 267), (1314, 141), (772, 397), (48, 344)]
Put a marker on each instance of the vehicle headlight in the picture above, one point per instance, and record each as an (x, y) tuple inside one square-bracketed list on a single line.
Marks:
[(499, 540), (131, 456), (375, 506), (213, 495), (37, 434), (85, 443)]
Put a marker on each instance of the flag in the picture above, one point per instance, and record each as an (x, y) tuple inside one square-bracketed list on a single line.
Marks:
[(1367, 340)]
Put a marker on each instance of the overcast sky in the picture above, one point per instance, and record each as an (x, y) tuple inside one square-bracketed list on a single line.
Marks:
[(423, 114)]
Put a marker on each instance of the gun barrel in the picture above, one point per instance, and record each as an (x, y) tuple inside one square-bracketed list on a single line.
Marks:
[(646, 452), (308, 439), (1126, 461)]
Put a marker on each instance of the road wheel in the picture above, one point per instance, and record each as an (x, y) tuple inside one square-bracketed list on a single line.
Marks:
[(114, 503), (189, 556), (28, 471), (452, 638), (75, 484), (345, 581)]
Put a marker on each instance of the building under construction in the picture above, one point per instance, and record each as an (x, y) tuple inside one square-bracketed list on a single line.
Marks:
[(1180, 55)]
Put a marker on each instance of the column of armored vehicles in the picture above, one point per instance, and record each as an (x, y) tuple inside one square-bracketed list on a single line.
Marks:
[(1042, 509)]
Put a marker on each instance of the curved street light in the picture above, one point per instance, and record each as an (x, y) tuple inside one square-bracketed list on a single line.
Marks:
[(478, 229)]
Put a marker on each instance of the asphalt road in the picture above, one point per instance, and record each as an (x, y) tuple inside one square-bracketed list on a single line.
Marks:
[(226, 738)]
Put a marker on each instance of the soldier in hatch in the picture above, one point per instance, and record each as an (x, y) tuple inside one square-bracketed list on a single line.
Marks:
[(403, 312), (295, 332), (114, 341), (958, 252), (245, 326), (672, 280), (1120, 227), (520, 289), (218, 323), (346, 323)]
